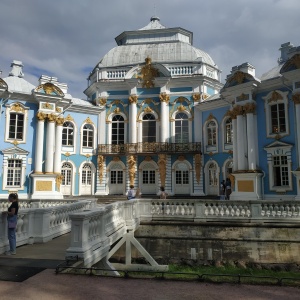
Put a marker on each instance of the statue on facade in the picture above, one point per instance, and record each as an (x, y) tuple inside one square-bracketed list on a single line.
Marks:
[(162, 166), (131, 168), (100, 161)]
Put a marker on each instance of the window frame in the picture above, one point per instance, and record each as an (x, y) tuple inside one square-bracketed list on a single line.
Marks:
[(84, 150), (210, 148)]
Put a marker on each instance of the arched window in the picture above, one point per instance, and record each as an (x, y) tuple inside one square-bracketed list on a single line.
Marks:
[(149, 128), (88, 136), (66, 171), (181, 128), (86, 178), (118, 130), (228, 131), (68, 134), (211, 133)]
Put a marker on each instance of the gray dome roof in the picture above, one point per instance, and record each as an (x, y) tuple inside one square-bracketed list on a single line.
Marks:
[(159, 53)]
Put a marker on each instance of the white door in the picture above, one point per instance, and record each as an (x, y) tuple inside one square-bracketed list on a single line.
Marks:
[(116, 182), (213, 182), (148, 186), (182, 179), (66, 185), (86, 180)]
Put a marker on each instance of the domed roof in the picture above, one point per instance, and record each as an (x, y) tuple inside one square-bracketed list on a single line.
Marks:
[(163, 45)]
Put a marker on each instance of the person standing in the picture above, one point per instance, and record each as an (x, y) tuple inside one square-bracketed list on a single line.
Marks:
[(131, 193), (162, 194), (228, 188), (12, 218), (222, 190)]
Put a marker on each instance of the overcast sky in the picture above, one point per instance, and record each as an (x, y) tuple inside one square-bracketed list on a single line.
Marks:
[(67, 38)]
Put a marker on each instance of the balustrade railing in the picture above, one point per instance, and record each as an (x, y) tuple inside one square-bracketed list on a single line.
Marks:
[(149, 148)]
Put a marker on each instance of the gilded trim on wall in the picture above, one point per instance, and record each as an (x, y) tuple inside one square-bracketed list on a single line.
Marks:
[(100, 161), (245, 186), (198, 166), (162, 166), (133, 99), (131, 168), (43, 186), (17, 107)]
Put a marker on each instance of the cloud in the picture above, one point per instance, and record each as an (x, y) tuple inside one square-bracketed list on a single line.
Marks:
[(66, 39)]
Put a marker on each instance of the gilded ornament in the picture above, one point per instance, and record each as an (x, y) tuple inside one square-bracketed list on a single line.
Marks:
[(88, 121), (87, 155), (102, 101), (196, 97), (60, 121), (162, 166), (69, 118), (100, 161), (116, 159), (296, 98), (239, 77), (243, 97), (58, 109), (164, 97), (232, 180), (181, 108), (277, 137), (210, 153), (51, 117), (275, 97), (117, 102), (148, 110), (58, 181), (148, 101), (133, 99), (249, 108), (3, 83), (230, 152), (148, 74), (210, 117), (181, 158), (293, 62), (148, 158), (117, 110), (239, 110), (67, 154), (198, 166), (131, 168), (15, 142), (17, 107), (43, 186), (41, 116), (47, 105), (204, 96)]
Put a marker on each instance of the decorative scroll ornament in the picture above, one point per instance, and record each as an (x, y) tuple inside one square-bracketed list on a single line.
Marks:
[(102, 101), (117, 110), (239, 110), (15, 142), (69, 118), (59, 121), (275, 97), (181, 108), (196, 97), (47, 105), (148, 74), (100, 161), (51, 117), (116, 159), (148, 158), (58, 109), (249, 108), (49, 88), (17, 107), (41, 116), (131, 168), (88, 121), (164, 97), (133, 99), (58, 181), (204, 96), (198, 166), (162, 166), (67, 154), (181, 158), (148, 110), (239, 77), (210, 117), (296, 98)]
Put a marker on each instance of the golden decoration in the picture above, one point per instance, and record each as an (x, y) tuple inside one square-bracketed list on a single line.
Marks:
[(67, 154), (41, 116), (239, 77), (43, 186), (277, 137), (239, 110), (17, 107), (87, 155), (275, 97), (162, 166), (133, 99), (148, 158), (117, 110), (230, 152), (100, 161), (69, 118), (102, 101), (148, 74), (88, 121), (148, 110), (131, 168), (47, 105), (58, 181), (181, 108), (196, 97), (243, 97), (58, 109), (198, 166), (15, 142), (51, 117), (181, 158), (116, 159), (249, 108), (164, 97), (210, 117), (148, 101), (60, 121), (117, 102), (205, 96), (296, 98), (210, 153), (294, 61), (181, 100), (232, 180), (49, 88)]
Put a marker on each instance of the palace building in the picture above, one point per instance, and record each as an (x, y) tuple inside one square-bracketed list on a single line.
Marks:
[(156, 115)]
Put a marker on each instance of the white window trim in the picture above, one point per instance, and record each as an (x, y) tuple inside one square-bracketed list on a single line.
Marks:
[(155, 167), (93, 169), (88, 150), (140, 126), (14, 153), (190, 117), (73, 175), (108, 169), (226, 147), (23, 111), (109, 127), (70, 149), (268, 105), (207, 148), (279, 149), (190, 169), (206, 172)]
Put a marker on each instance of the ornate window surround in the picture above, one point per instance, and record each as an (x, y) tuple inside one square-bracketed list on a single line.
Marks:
[(140, 126), (109, 127), (226, 147), (88, 150), (71, 149), (73, 183), (19, 108), (190, 118), (93, 169), (278, 148), (271, 100), (210, 148)]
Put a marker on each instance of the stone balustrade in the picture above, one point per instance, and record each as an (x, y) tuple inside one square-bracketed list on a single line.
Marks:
[(39, 225)]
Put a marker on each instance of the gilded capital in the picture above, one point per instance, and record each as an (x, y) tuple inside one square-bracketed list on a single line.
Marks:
[(249, 108), (51, 117), (239, 110), (59, 121), (133, 99), (164, 97), (41, 116), (102, 101), (196, 97), (296, 98)]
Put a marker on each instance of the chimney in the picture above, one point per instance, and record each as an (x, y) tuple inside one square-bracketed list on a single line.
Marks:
[(16, 69)]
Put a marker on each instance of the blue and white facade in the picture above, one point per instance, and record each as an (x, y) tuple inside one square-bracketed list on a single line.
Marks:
[(156, 115)]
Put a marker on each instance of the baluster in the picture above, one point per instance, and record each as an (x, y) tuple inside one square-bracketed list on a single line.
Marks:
[(222, 210), (168, 210), (227, 211)]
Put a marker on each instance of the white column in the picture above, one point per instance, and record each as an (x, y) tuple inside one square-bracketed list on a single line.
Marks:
[(235, 147), (39, 143), (164, 117), (50, 138), (132, 119), (298, 130), (241, 145), (252, 163), (58, 144)]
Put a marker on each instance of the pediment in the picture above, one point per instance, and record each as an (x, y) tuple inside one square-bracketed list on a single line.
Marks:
[(278, 144), (15, 150), (49, 88), (292, 64), (238, 78)]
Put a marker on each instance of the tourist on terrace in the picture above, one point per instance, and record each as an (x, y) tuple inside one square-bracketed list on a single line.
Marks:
[(222, 190), (162, 194), (131, 193), (228, 188)]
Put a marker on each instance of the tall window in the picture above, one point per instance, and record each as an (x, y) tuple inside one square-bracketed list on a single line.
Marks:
[(212, 174), (16, 126), (118, 130), (88, 136), (149, 128), (228, 131), (66, 172), (181, 128), (278, 118), (86, 178), (280, 170), (68, 134), (211, 133), (14, 172)]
